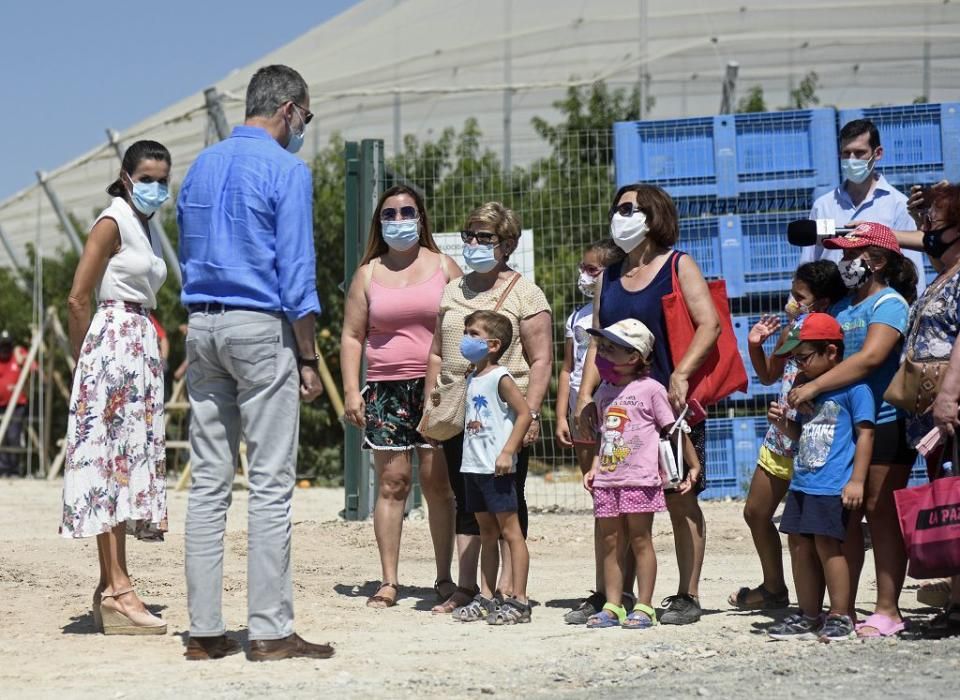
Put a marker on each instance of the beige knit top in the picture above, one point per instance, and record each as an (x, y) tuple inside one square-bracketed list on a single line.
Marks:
[(458, 301)]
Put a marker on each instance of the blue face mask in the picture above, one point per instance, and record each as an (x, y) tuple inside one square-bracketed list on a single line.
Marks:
[(856, 170), (148, 196), (479, 258), (296, 140), (474, 349), (401, 235)]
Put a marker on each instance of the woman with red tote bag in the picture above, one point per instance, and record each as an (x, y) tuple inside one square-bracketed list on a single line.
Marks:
[(643, 222)]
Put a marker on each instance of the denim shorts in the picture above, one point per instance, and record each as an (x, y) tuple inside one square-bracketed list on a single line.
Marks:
[(488, 493)]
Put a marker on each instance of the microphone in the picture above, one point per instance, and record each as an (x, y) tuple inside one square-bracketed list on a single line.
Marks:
[(804, 232)]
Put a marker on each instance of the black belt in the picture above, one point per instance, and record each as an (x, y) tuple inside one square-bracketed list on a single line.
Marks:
[(218, 308)]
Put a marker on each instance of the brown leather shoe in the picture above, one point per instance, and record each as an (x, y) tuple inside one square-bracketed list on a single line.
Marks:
[(206, 648), (288, 648)]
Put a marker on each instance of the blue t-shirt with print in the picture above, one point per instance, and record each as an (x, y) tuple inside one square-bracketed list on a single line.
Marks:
[(824, 461), (886, 307)]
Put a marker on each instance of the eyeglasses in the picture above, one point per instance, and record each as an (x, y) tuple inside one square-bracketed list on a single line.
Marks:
[(804, 358), (626, 209), (392, 213), (592, 270), (481, 237), (307, 114)]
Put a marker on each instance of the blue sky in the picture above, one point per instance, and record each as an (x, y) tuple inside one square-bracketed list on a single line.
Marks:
[(72, 68)]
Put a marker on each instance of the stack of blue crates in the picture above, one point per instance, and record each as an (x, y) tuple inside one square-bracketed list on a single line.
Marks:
[(737, 181)]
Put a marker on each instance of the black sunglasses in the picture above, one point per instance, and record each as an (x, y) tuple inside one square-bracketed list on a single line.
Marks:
[(390, 213), (307, 114), (481, 237), (627, 209)]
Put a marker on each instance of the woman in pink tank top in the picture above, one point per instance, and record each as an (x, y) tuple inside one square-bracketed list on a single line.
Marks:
[(390, 315)]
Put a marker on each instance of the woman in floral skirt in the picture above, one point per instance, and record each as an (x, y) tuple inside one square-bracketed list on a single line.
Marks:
[(115, 466)]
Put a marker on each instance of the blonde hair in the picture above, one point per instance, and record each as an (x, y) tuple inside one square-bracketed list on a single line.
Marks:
[(497, 219)]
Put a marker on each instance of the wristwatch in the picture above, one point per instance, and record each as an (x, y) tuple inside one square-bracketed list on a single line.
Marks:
[(535, 415), (311, 362)]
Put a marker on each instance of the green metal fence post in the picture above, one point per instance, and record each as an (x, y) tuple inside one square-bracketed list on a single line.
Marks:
[(352, 247)]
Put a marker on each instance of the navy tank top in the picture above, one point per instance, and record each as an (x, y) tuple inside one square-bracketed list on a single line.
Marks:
[(616, 304)]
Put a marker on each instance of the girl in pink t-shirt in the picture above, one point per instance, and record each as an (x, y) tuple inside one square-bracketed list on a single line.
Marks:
[(633, 410)]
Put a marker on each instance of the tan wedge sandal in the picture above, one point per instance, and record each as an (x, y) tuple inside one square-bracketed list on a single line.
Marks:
[(97, 618), (117, 622)]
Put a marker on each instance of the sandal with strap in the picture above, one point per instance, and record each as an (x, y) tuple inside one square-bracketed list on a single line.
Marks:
[(477, 609), (379, 602), (512, 612), (460, 597), (643, 617), (768, 600), (115, 621), (610, 615), (443, 582), (881, 626)]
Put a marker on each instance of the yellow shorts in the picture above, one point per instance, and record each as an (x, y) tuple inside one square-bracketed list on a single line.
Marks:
[(774, 464)]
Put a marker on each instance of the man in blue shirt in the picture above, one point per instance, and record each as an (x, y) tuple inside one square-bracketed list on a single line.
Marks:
[(245, 212), (864, 194)]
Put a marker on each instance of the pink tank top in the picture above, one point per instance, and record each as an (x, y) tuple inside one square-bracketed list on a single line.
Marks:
[(400, 325)]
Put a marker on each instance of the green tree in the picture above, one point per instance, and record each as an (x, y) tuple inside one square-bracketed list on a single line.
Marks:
[(805, 94), (752, 102)]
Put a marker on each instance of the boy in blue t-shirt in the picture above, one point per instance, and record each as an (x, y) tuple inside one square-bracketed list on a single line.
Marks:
[(833, 455)]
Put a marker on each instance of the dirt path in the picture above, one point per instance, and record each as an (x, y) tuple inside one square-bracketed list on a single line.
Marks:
[(48, 647)]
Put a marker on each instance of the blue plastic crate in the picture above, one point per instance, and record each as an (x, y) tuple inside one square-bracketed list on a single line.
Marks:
[(921, 143), (747, 203), (699, 238), (729, 155), (741, 329), (749, 251), (732, 445)]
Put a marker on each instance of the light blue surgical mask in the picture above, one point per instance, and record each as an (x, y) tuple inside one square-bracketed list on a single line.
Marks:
[(474, 349), (856, 170), (480, 258), (401, 235), (296, 139), (148, 196)]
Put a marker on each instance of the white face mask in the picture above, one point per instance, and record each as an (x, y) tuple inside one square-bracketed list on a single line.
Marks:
[(853, 272), (629, 231), (587, 284)]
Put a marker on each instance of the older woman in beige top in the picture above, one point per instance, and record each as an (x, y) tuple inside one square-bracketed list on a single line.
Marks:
[(491, 235)]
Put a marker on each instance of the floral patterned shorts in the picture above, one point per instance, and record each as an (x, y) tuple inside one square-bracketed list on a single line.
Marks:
[(394, 410)]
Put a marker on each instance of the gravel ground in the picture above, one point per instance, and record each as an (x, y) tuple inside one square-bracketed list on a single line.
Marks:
[(49, 648)]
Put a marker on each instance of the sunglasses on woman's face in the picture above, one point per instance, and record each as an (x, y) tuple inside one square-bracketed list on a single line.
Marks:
[(481, 237), (625, 209), (392, 213)]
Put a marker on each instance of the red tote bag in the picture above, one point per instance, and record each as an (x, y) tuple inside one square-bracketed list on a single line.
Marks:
[(930, 522), (722, 373)]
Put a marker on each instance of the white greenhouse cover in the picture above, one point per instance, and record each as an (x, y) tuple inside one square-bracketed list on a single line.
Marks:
[(418, 66)]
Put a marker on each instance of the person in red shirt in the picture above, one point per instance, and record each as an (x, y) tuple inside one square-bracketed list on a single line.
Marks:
[(12, 358)]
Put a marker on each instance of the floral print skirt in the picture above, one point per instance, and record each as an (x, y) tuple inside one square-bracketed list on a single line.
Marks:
[(394, 410), (115, 464)]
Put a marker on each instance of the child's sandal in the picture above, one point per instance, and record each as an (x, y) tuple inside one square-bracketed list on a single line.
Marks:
[(609, 616), (643, 617), (512, 612)]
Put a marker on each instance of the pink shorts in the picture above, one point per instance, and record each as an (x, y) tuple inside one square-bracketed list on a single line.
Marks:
[(614, 501)]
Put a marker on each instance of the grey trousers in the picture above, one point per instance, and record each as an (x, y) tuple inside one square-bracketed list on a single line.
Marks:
[(242, 378)]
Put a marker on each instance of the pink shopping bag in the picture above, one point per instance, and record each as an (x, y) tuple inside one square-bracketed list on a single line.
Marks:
[(930, 522)]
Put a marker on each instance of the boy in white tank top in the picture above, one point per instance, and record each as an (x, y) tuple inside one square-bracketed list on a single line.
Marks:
[(496, 417)]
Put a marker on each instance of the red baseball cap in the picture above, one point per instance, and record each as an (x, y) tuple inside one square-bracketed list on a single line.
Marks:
[(815, 326), (866, 234)]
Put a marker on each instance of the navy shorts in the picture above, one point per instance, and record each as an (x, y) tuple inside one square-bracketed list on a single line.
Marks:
[(806, 514), (890, 445), (487, 493)]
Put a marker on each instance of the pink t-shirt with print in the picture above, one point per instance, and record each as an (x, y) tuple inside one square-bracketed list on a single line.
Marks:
[(631, 419)]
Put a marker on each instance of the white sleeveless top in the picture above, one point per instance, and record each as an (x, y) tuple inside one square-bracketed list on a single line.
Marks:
[(137, 272), (487, 422)]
